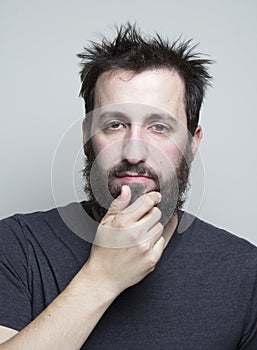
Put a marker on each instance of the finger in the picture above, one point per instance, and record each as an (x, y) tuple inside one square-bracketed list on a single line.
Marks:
[(158, 248), (151, 218), (142, 205), (155, 233), (122, 201)]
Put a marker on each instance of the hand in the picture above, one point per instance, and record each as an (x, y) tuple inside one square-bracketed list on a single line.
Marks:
[(128, 242)]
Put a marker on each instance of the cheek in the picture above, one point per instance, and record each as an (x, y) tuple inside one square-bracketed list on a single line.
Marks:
[(165, 157), (106, 154), (170, 160), (98, 145)]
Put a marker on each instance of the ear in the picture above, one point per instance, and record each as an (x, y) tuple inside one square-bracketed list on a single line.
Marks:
[(85, 131), (196, 138)]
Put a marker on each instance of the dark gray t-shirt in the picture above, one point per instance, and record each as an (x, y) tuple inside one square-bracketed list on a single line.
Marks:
[(201, 296)]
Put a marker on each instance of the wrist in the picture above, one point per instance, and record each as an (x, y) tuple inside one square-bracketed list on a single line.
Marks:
[(91, 279)]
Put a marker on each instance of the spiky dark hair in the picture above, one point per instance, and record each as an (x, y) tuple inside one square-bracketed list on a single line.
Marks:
[(132, 51)]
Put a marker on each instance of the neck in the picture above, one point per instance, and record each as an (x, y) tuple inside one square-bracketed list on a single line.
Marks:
[(98, 212), (170, 228)]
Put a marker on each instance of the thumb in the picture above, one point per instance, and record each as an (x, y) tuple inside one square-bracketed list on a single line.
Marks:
[(122, 201)]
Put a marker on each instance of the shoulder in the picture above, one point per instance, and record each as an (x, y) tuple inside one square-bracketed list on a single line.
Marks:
[(17, 224), (51, 219), (18, 230), (193, 226), (69, 223), (216, 243)]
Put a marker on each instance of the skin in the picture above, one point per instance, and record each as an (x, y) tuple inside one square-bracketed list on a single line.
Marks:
[(157, 91), (136, 136), (122, 87), (109, 271)]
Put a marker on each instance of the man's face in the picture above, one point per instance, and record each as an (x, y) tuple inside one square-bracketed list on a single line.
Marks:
[(138, 136)]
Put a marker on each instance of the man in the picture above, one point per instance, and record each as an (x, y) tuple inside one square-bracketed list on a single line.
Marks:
[(59, 292)]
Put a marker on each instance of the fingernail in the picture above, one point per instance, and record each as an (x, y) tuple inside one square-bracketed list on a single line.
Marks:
[(124, 191), (159, 197)]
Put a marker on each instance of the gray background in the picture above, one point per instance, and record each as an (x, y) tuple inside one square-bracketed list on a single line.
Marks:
[(39, 94)]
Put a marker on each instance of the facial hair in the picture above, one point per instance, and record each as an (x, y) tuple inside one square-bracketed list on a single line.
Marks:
[(101, 189)]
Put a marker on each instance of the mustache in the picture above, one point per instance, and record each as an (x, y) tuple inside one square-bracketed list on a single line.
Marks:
[(139, 168)]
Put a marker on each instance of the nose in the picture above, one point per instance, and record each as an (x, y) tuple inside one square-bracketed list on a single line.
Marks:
[(135, 149)]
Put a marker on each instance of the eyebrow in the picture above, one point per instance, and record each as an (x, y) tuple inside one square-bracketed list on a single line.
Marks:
[(149, 117), (112, 114), (164, 116)]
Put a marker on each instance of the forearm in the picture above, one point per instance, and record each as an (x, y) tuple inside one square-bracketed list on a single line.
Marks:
[(67, 322)]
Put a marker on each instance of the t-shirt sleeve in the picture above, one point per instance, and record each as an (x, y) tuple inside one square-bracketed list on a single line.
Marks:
[(15, 296), (249, 337)]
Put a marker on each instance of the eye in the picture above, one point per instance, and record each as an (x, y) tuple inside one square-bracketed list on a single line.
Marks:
[(160, 128), (114, 125)]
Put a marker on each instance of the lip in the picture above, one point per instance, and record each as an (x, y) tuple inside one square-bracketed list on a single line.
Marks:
[(128, 177)]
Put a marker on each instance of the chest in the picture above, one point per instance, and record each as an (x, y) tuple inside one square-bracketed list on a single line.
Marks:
[(171, 310)]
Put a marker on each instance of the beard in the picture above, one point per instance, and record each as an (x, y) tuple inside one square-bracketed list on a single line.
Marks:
[(101, 188)]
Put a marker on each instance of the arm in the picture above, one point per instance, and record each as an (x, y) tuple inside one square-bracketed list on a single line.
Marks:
[(6, 333), (67, 322)]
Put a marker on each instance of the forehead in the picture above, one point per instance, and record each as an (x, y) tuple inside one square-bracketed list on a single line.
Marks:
[(161, 88)]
